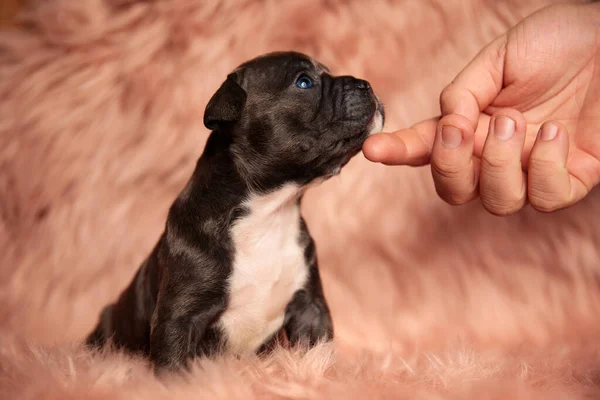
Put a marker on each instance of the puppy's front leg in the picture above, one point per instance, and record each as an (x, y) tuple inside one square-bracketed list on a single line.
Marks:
[(307, 318), (179, 329)]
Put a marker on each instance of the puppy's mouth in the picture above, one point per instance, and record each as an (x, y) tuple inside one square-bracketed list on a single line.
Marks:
[(351, 145), (376, 124)]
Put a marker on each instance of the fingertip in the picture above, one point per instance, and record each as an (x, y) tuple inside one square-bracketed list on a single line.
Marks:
[(503, 187), (550, 130), (454, 134), (385, 148), (551, 143), (452, 163), (550, 185), (455, 100), (514, 115), (459, 122)]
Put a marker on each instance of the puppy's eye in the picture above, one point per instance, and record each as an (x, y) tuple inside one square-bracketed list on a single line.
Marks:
[(304, 82)]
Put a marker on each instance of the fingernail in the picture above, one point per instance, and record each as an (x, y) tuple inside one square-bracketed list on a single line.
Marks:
[(548, 132), (504, 128), (451, 137)]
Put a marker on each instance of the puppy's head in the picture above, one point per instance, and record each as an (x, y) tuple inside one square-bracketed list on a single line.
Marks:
[(290, 120)]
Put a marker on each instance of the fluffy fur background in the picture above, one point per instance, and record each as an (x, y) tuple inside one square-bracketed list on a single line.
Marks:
[(101, 106)]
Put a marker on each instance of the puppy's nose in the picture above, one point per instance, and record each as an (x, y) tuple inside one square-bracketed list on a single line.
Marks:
[(352, 83), (362, 84)]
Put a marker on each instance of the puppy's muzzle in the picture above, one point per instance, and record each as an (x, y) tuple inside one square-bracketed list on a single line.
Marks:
[(358, 99), (362, 105)]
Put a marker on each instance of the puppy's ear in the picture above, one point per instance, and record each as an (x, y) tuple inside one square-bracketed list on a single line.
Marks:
[(226, 105)]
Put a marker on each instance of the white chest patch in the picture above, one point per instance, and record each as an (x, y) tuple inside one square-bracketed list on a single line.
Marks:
[(268, 269)]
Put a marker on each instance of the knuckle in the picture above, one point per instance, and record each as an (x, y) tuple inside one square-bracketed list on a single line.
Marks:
[(447, 171), (545, 192), (494, 163), (502, 206), (501, 198), (543, 205), (452, 196), (544, 200), (453, 183), (448, 94), (539, 166)]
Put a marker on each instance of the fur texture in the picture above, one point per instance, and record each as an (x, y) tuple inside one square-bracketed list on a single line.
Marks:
[(101, 122)]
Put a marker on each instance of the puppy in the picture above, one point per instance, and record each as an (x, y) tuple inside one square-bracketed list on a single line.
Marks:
[(236, 264)]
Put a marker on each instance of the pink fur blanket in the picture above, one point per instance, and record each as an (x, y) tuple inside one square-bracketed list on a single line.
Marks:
[(101, 105)]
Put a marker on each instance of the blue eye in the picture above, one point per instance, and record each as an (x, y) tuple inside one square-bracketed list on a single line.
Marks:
[(304, 82)]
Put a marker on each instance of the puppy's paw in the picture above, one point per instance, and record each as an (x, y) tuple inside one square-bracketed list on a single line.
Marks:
[(309, 325)]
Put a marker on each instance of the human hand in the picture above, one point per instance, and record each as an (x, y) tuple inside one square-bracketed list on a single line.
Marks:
[(520, 124)]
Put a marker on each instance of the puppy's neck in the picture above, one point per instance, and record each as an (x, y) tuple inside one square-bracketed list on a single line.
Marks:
[(258, 173), (275, 201), (226, 182), (247, 164)]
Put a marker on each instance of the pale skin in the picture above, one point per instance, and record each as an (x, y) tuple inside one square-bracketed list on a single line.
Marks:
[(520, 124)]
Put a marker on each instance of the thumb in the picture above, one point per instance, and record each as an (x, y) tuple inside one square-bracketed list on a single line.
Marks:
[(477, 85)]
